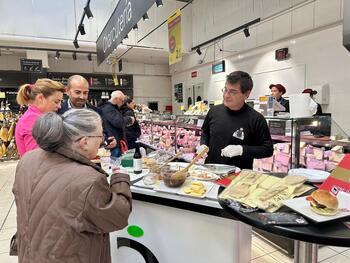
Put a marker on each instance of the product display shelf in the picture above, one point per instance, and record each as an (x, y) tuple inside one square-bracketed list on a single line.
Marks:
[(171, 133), (308, 143)]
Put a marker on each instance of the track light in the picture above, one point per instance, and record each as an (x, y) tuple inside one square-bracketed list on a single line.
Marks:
[(57, 57), (75, 43), (82, 29), (74, 55), (198, 50), (246, 32), (159, 3), (145, 17), (88, 11), (89, 57), (135, 27)]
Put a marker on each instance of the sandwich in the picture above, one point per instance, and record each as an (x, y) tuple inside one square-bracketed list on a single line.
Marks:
[(323, 202)]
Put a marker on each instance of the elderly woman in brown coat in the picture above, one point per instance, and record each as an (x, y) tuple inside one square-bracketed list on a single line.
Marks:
[(65, 205)]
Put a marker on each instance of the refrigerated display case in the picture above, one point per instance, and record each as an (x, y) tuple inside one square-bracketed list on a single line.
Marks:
[(172, 133), (316, 142)]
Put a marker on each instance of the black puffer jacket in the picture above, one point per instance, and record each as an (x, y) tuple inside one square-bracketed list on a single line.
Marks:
[(134, 131), (115, 122)]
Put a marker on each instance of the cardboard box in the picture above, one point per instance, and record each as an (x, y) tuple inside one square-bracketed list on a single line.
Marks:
[(313, 163)]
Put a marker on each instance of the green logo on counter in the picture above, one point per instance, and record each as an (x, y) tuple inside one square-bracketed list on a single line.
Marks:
[(135, 231)]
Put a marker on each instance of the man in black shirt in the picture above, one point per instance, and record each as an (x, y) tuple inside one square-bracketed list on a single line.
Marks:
[(234, 132)]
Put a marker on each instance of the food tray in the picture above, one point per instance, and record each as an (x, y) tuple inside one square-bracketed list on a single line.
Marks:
[(207, 185), (302, 206), (141, 184), (312, 175), (161, 187), (213, 193)]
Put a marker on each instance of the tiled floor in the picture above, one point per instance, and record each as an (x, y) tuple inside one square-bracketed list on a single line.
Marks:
[(262, 251)]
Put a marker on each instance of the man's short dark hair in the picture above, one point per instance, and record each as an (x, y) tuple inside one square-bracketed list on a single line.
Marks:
[(241, 77)]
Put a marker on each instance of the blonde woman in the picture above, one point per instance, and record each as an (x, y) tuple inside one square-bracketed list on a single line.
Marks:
[(44, 96)]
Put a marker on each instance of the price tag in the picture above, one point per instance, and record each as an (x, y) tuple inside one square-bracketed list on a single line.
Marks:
[(200, 123)]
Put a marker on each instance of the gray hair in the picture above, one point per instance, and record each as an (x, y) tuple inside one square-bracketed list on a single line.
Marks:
[(52, 131)]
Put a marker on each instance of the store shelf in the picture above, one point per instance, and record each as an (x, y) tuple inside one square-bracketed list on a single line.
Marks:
[(323, 141)]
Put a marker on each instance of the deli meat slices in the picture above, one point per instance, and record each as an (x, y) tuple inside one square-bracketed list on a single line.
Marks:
[(272, 192), (267, 192)]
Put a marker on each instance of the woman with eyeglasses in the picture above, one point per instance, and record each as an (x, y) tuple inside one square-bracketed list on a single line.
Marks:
[(65, 205), (234, 132)]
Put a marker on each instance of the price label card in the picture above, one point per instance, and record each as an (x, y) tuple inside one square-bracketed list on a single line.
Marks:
[(200, 123)]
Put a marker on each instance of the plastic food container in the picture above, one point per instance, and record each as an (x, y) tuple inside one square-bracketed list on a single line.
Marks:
[(171, 179)]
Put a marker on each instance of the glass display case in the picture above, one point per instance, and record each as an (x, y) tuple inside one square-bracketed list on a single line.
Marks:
[(315, 142), (171, 133)]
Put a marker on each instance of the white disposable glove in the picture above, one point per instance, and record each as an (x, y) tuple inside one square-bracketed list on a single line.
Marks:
[(232, 151), (201, 148)]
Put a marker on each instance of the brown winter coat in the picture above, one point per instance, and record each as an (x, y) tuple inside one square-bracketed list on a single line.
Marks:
[(66, 208)]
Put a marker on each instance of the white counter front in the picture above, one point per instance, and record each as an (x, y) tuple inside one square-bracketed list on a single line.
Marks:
[(169, 228)]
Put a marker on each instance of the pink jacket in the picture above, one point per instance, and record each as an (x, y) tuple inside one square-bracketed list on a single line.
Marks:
[(24, 139)]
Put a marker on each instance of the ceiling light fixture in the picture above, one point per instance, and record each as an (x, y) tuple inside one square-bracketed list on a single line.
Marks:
[(58, 55), (74, 55), (89, 57), (88, 11), (82, 29), (246, 32), (159, 3), (199, 52), (75, 43), (145, 17)]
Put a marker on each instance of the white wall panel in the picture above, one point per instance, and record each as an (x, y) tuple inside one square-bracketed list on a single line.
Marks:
[(327, 11), (303, 18), (264, 33), (282, 26), (251, 42), (270, 7), (234, 43)]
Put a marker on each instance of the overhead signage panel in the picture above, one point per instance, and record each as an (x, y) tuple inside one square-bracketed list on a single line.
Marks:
[(125, 16)]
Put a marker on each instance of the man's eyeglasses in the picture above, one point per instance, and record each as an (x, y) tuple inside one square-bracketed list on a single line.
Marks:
[(230, 92)]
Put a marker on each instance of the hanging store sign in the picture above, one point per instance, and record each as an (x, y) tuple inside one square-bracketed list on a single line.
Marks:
[(175, 38), (31, 65), (125, 16), (218, 67)]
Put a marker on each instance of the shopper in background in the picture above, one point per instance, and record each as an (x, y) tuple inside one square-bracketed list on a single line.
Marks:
[(78, 94), (44, 96), (234, 132), (115, 122), (132, 132), (312, 93), (65, 206), (277, 90)]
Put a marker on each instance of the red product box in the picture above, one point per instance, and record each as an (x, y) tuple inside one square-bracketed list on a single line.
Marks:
[(339, 180)]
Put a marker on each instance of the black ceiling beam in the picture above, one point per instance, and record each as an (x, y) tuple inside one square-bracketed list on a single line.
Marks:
[(242, 27), (81, 20)]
